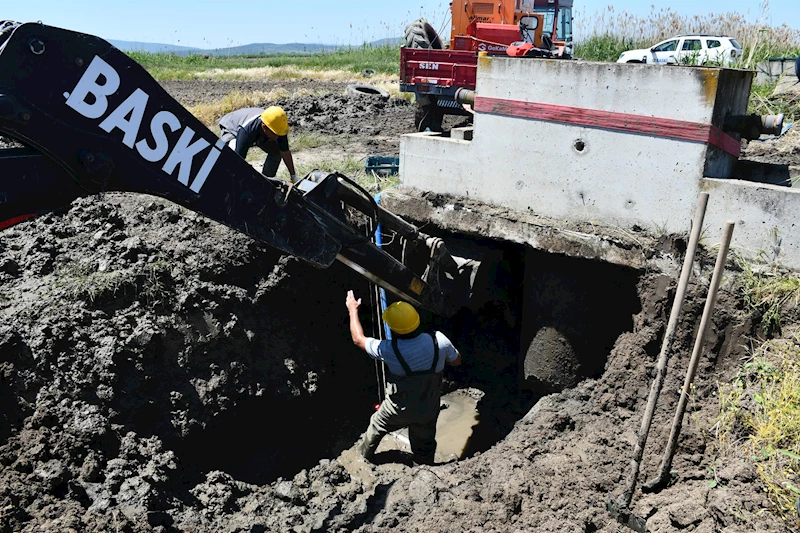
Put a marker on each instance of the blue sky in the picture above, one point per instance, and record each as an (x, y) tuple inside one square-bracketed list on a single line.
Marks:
[(222, 23)]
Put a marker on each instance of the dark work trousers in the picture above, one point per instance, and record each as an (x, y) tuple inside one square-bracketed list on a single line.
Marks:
[(273, 160), (413, 402)]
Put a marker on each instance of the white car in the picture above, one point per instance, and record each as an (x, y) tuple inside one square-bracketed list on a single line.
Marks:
[(688, 50)]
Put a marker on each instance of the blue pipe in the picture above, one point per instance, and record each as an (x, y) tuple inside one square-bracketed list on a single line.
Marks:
[(379, 244)]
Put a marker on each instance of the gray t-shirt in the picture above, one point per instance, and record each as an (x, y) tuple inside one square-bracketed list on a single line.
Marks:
[(417, 352), (244, 126)]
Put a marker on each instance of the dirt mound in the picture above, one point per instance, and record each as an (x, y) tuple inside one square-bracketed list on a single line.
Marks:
[(134, 335), (161, 372), (190, 93), (353, 115), (781, 151)]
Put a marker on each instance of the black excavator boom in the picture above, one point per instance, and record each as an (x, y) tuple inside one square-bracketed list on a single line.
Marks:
[(92, 120)]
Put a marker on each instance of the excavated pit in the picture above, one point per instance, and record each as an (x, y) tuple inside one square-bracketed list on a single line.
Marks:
[(238, 360), (161, 370), (265, 437)]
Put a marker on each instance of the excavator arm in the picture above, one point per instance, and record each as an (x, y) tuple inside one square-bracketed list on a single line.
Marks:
[(92, 120)]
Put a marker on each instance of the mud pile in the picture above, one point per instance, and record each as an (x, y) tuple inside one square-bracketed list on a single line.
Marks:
[(329, 110), (143, 346), (161, 372)]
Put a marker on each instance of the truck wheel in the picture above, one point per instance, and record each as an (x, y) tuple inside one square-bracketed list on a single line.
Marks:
[(362, 89), (428, 117), (420, 34)]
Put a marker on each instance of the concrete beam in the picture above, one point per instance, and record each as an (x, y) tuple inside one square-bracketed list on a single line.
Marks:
[(543, 182), (473, 218)]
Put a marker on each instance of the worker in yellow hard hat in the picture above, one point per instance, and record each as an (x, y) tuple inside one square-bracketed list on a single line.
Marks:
[(415, 361), (267, 129)]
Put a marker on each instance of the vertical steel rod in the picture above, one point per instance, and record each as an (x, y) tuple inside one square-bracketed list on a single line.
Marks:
[(625, 498), (677, 422)]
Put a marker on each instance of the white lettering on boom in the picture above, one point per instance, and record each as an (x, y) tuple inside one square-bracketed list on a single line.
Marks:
[(100, 80)]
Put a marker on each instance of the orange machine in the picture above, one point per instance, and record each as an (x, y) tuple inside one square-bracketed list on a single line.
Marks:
[(519, 28), (557, 19), (496, 38)]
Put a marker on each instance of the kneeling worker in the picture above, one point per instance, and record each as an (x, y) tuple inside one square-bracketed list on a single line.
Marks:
[(416, 361), (267, 129)]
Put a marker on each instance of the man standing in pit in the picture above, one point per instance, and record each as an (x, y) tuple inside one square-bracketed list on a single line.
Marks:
[(415, 361), (267, 129)]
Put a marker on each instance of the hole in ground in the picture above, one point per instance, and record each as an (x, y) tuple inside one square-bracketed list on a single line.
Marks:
[(587, 303), (268, 438)]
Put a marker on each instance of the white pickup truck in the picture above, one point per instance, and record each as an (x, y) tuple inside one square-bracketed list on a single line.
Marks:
[(688, 50)]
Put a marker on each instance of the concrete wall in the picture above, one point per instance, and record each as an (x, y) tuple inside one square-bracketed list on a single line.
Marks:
[(609, 178), (771, 70)]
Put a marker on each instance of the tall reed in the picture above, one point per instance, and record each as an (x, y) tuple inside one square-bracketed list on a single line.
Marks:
[(605, 34)]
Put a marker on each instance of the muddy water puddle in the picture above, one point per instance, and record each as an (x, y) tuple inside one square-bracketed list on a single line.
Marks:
[(457, 420)]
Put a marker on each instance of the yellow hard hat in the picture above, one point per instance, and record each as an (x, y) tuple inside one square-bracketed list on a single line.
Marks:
[(275, 119), (401, 317)]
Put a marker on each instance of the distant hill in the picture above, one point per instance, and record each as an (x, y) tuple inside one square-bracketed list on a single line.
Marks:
[(247, 49), (154, 48), (389, 41)]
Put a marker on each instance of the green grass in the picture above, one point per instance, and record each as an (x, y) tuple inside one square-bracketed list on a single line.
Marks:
[(352, 167), (82, 281), (770, 294), (760, 417), (306, 140), (606, 47), (384, 59)]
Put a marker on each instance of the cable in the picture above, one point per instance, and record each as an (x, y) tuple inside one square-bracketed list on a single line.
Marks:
[(377, 322)]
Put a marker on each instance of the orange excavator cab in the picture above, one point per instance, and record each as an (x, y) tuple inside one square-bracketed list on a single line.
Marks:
[(548, 21)]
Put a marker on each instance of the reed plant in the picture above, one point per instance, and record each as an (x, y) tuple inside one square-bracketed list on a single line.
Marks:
[(604, 35)]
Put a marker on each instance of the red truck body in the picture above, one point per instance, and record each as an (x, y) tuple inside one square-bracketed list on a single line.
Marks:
[(434, 74), (427, 69)]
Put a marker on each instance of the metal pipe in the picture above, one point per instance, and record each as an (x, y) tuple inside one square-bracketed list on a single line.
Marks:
[(625, 498), (772, 124), (677, 422), (381, 290), (753, 126), (465, 96)]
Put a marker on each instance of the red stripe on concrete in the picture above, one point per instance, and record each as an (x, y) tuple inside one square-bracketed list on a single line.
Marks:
[(16, 220), (610, 120)]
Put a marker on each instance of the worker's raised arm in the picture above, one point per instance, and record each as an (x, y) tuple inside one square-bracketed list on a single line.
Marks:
[(356, 331)]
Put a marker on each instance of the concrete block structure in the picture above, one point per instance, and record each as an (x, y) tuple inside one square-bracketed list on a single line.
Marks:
[(619, 145), (772, 70)]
